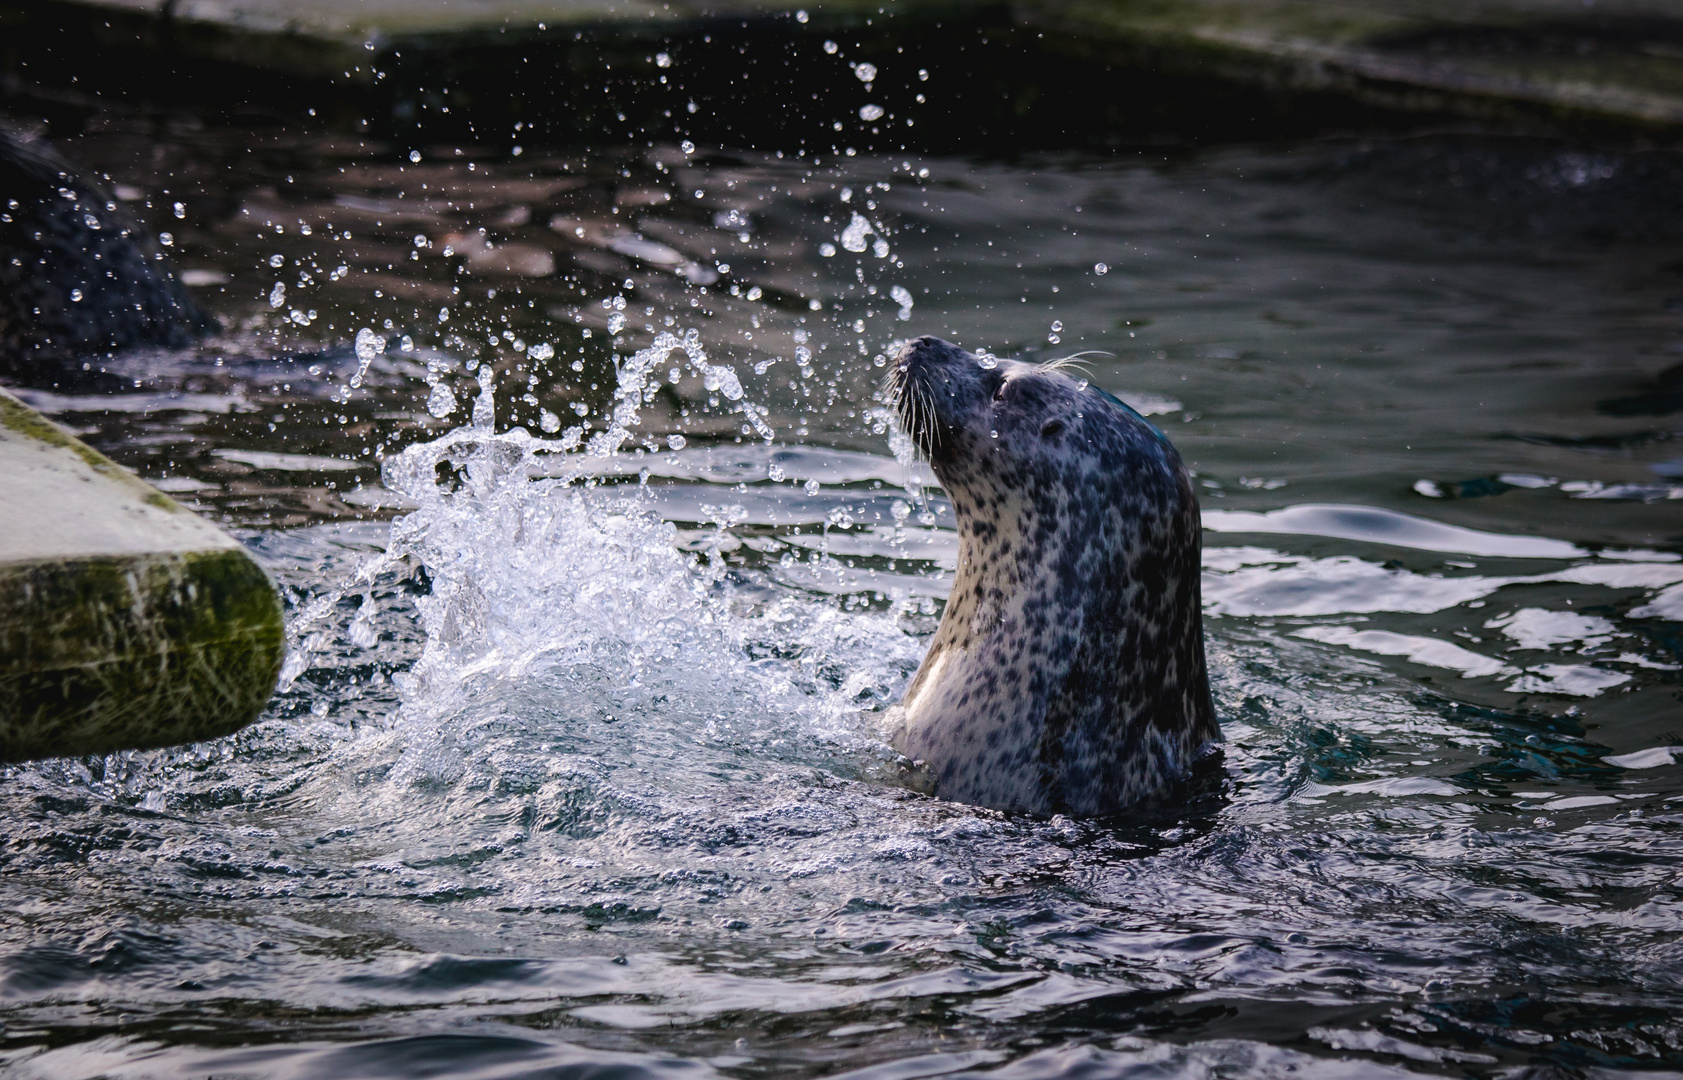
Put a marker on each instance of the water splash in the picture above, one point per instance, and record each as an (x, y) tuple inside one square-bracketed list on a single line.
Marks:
[(541, 576)]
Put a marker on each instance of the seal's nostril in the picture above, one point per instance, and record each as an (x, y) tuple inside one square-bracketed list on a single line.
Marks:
[(1051, 428)]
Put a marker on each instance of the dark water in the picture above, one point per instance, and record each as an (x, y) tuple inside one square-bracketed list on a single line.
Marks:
[(577, 765)]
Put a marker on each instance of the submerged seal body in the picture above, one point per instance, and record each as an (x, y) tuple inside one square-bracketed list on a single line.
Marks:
[(1067, 674)]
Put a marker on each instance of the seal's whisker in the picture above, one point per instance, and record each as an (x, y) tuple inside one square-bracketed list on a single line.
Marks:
[(931, 435), (1074, 360)]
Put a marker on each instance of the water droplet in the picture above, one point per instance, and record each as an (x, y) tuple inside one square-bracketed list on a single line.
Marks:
[(1101, 269), (853, 237), (993, 434), (442, 402)]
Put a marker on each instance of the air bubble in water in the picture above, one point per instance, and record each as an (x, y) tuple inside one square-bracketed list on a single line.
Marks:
[(774, 473), (543, 350), (828, 251), (879, 248), (867, 72), (277, 295), (549, 421), (1057, 326), (616, 322), (277, 261), (1101, 269), (811, 487), (870, 112), (676, 442), (986, 360)]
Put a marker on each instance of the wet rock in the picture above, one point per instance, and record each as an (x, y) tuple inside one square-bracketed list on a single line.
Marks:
[(125, 621), (79, 277)]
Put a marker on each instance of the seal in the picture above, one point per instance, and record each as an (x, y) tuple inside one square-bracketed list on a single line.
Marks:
[(1067, 674)]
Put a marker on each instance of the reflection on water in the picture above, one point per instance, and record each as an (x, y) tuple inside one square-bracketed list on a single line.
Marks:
[(577, 762)]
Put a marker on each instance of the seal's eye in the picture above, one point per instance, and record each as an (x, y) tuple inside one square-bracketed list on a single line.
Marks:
[(1051, 428)]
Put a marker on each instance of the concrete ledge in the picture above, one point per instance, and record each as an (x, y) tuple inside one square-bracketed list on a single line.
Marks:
[(125, 621), (571, 68)]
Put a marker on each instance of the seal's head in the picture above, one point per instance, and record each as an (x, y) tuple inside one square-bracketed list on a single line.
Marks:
[(1067, 674)]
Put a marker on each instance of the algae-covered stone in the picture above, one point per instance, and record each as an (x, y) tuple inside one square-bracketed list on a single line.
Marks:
[(126, 622)]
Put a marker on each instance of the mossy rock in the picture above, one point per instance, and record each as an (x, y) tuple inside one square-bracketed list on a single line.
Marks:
[(126, 622)]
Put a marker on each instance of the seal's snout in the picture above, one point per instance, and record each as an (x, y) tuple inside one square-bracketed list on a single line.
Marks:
[(933, 385)]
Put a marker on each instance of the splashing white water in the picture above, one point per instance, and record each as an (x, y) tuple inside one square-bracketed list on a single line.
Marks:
[(541, 577)]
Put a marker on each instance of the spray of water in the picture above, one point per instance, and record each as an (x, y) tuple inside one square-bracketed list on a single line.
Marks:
[(540, 576)]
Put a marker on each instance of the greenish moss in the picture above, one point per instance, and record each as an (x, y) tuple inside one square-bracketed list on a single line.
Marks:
[(114, 653)]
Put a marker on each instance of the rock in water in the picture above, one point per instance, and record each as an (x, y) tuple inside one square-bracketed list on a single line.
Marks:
[(126, 622), (79, 278)]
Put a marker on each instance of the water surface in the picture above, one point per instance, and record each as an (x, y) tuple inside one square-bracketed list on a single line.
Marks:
[(577, 763)]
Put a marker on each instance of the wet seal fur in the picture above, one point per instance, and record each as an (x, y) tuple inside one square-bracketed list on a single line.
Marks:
[(1067, 674)]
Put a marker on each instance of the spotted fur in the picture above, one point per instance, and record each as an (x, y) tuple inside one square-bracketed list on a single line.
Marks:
[(1067, 675)]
